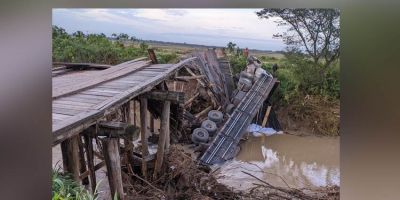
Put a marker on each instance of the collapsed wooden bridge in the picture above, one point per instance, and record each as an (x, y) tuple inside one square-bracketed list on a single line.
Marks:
[(95, 105), (97, 102)]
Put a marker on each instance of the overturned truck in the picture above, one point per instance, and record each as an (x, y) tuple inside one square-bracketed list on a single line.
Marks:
[(236, 105)]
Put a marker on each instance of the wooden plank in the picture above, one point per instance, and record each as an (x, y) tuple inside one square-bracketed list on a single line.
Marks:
[(97, 93), (146, 85), (73, 103), (176, 97), (264, 122), (101, 76), (82, 108), (83, 100), (69, 127), (66, 111), (119, 88), (84, 119), (57, 116), (159, 66)]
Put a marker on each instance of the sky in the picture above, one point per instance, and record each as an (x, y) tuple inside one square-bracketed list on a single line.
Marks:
[(214, 27)]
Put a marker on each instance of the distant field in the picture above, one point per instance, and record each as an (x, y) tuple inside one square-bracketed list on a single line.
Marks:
[(182, 48)]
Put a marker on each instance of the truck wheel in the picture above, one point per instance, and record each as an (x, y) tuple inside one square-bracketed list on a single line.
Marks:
[(200, 135), (210, 126), (215, 116)]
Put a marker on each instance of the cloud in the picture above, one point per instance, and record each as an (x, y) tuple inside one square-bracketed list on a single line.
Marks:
[(235, 23)]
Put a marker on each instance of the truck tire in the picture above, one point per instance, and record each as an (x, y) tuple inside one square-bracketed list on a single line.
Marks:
[(210, 126), (200, 135), (215, 116)]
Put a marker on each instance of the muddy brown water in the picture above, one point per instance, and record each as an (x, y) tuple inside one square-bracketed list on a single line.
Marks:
[(284, 160)]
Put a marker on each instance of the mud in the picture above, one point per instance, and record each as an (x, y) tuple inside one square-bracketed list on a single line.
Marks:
[(284, 161)]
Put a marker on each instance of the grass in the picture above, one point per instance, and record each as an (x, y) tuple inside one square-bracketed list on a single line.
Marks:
[(65, 188)]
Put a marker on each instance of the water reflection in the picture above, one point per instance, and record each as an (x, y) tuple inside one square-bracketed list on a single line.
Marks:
[(284, 160)]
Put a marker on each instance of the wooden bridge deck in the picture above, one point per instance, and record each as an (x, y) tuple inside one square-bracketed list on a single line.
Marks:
[(82, 98)]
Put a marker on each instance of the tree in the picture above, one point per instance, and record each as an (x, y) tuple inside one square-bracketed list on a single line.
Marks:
[(313, 31), (231, 47)]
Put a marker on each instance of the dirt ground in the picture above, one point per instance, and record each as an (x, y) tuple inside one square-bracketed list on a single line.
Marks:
[(311, 115)]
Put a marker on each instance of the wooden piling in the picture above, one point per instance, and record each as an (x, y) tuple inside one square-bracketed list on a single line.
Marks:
[(113, 164), (152, 123), (163, 140), (128, 139), (70, 154), (82, 161), (90, 158), (143, 134), (134, 113)]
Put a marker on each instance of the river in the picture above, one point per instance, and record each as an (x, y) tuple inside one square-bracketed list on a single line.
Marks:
[(284, 160)]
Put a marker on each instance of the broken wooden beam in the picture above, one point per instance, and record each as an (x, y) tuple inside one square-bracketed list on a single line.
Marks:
[(264, 122), (191, 99), (203, 112), (189, 77), (175, 97), (152, 56), (95, 168)]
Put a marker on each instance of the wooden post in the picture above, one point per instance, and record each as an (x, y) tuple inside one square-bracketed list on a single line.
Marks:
[(143, 134), (85, 181), (167, 108), (152, 56), (70, 154), (134, 113), (131, 110), (113, 163), (90, 158), (128, 139), (152, 123), (164, 135)]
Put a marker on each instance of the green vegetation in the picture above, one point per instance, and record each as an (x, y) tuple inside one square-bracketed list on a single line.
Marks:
[(298, 76), (64, 188), (308, 93), (98, 48)]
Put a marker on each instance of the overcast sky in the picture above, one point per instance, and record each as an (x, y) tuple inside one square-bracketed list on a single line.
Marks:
[(197, 26)]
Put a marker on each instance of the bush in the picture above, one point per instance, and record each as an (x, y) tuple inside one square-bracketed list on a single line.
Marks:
[(238, 63), (167, 58), (93, 48), (64, 188)]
